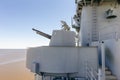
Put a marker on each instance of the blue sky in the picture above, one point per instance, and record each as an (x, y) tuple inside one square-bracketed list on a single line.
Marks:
[(18, 17)]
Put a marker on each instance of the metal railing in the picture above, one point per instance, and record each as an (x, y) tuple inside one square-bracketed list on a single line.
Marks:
[(91, 74)]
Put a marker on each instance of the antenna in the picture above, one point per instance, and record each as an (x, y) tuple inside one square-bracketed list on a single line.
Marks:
[(71, 21)]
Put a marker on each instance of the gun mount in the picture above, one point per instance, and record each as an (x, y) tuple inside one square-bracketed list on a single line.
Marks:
[(42, 33)]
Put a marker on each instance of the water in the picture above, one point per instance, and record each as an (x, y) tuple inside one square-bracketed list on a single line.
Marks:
[(13, 65), (8, 56), (12, 61)]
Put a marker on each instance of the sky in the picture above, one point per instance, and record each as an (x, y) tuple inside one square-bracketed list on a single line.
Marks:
[(18, 17)]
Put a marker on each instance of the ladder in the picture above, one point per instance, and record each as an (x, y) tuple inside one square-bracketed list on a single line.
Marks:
[(95, 33)]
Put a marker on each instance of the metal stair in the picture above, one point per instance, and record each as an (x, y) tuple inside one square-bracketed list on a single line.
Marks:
[(109, 75)]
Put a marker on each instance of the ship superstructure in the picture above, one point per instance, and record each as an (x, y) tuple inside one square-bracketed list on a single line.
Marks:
[(100, 22), (97, 25)]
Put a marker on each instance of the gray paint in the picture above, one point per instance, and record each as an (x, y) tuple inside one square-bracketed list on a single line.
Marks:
[(113, 56), (109, 32), (62, 38), (62, 59)]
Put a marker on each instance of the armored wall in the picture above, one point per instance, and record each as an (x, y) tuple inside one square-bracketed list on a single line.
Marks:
[(63, 60)]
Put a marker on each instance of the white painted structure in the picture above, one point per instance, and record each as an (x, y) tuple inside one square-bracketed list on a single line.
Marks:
[(95, 28), (106, 28), (62, 38), (112, 55), (63, 59)]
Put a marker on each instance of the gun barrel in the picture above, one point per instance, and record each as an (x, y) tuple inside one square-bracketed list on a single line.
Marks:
[(42, 33)]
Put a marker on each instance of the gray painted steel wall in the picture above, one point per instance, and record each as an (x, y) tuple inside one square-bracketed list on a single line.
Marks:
[(62, 38), (63, 59), (107, 28), (113, 56), (109, 32), (86, 25)]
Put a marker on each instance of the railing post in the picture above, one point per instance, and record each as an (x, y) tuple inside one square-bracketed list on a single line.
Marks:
[(35, 76), (99, 74), (103, 60)]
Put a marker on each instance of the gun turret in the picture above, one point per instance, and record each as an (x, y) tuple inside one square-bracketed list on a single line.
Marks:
[(42, 33)]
